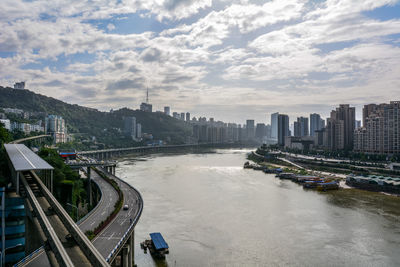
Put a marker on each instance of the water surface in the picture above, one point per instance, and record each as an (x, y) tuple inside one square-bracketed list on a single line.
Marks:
[(212, 212)]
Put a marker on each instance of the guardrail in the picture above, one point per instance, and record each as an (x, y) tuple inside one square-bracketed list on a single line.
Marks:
[(128, 232), (86, 246), (40, 249), (54, 241), (30, 256)]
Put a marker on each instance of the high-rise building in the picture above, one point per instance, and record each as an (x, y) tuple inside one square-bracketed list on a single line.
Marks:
[(183, 116), (301, 127), (139, 130), (176, 115), (340, 128), (358, 124), (167, 111), (367, 110), (283, 128), (187, 116), (261, 131), (381, 132), (274, 125), (250, 130), (55, 126), (130, 127), (316, 123)]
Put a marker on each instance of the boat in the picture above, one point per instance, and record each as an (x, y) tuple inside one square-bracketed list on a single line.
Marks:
[(303, 178), (285, 175), (311, 184), (327, 186), (156, 245)]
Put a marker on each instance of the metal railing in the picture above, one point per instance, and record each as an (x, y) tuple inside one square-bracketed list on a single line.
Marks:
[(54, 241), (125, 237), (29, 257), (85, 245)]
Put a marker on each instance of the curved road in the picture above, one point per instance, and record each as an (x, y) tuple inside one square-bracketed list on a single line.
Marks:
[(108, 239)]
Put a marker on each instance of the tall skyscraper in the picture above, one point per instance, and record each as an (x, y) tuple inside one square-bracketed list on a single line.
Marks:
[(261, 131), (283, 128), (274, 125), (250, 129), (55, 126), (381, 132), (340, 128), (367, 110), (316, 123), (301, 127), (187, 116), (183, 116), (139, 130), (167, 111), (130, 127)]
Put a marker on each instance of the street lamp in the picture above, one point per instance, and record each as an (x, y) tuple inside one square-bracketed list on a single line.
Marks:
[(77, 210)]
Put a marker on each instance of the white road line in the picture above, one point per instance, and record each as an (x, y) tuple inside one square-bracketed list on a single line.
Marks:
[(111, 236)]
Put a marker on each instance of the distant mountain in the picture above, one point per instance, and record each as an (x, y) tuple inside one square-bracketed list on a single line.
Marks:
[(91, 122)]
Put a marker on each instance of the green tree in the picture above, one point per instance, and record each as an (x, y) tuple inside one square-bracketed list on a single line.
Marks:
[(5, 137)]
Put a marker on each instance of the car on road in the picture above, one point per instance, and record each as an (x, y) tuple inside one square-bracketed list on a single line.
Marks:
[(126, 207)]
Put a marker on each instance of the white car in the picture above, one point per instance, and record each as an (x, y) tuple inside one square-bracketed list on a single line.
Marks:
[(126, 207)]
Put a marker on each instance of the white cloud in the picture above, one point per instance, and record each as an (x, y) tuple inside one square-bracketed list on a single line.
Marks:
[(222, 52)]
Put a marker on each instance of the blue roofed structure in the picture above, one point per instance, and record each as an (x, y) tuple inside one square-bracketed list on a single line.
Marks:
[(158, 241)]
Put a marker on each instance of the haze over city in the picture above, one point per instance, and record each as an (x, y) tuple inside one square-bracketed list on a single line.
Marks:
[(231, 60)]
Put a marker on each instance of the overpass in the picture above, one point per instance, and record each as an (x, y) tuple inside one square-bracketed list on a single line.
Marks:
[(43, 136), (104, 154), (116, 239)]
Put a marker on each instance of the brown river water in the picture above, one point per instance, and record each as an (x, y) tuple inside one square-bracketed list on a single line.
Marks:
[(212, 212)]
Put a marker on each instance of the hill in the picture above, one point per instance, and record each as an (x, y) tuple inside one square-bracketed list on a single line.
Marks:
[(86, 122)]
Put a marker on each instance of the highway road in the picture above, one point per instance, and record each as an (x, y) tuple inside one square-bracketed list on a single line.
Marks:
[(106, 241), (105, 206)]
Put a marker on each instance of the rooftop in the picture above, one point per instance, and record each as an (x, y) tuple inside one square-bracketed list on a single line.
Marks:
[(23, 159)]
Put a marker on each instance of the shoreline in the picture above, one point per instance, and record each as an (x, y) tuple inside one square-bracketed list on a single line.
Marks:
[(340, 177)]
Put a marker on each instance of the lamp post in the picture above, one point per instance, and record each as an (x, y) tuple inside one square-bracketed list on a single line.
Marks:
[(77, 210)]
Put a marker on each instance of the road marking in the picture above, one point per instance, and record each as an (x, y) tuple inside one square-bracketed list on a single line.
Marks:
[(111, 236)]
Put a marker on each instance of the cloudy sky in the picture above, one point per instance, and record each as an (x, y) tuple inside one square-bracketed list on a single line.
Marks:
[(231, 60)]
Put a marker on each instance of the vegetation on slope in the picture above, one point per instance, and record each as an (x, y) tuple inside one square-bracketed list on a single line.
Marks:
[(87, 122), (67, 186)]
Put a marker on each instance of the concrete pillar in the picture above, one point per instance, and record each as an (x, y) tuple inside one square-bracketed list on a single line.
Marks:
[(125, 256), (18, 183), (132, 249), (89, 186)]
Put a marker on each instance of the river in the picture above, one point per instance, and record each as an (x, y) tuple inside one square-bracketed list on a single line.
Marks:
[(212, 212)]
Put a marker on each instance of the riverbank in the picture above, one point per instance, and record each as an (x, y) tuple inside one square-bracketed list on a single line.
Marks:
[(345, 181)]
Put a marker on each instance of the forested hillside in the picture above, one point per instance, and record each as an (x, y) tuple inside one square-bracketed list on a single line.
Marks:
[(90, 122)]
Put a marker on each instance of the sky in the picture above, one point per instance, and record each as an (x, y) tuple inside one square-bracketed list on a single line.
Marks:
[(231, 60)]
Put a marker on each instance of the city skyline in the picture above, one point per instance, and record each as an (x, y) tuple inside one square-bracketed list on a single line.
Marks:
[(231, 60)]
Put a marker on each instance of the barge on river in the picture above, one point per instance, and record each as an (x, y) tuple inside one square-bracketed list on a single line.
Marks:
[(156, 245)]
